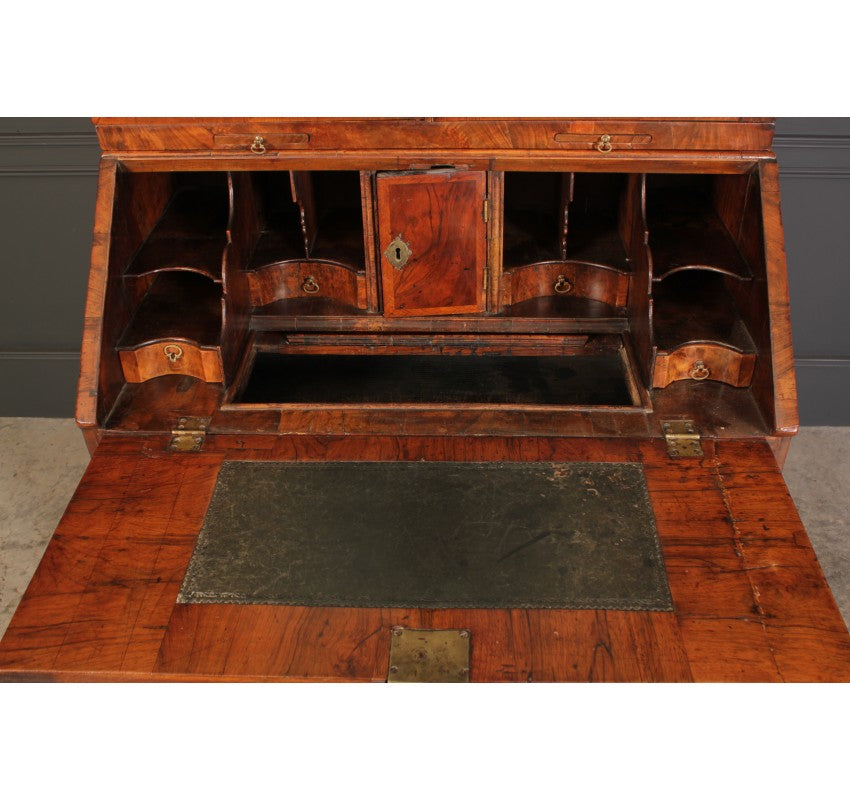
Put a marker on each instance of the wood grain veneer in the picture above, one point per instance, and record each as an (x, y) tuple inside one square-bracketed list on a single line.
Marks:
[(751, 603), (670, 235)]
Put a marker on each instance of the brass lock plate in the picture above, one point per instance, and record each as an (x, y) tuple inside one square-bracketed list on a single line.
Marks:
[(419, 656), (398, 252)]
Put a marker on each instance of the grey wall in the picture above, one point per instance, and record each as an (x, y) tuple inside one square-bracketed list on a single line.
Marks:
[(814, 168), (48, 170), (48, 182)]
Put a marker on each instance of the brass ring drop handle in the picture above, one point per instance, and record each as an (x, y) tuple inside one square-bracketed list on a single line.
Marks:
[(258, 146), (173, 352), (699, 371), (563, 285), (604, 144), (310, 286)]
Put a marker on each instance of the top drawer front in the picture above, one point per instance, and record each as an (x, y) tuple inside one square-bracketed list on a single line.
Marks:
[(240, 135)]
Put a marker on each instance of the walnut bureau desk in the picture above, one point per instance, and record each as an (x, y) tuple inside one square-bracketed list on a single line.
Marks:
[(422, 290)]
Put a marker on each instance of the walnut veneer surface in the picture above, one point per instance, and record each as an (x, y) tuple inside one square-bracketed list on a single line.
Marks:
[(655, 245), (750, 599)]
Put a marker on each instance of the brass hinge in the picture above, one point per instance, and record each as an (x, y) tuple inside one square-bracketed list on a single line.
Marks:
[(486, 210), (189, 435), (683, 440)]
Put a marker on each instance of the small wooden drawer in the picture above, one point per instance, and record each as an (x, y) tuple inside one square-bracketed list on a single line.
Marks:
[(320, 279), (410, 134), (172, 357), (261, 143), (554, 278), (701, 362), (604, 142)]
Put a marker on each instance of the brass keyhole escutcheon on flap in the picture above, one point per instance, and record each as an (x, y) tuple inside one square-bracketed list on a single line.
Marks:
[(398, 253), (173, 352), (699, 371), (563, 285), (310, 286), (258, 146), (604, 144)]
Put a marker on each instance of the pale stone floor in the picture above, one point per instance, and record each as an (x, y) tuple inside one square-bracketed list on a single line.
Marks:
[(42, 460)]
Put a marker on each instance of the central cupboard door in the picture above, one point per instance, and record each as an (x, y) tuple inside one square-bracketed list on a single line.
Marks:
[(432, 240)]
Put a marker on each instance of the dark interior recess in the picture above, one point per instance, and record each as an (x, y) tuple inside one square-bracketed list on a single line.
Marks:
[(178, 305), (339, 216), (534, 217), (593, 234), (555, 216), (595, 380), (332, 224), (191, 233), (695, 306), (685, 229), (281, 238)]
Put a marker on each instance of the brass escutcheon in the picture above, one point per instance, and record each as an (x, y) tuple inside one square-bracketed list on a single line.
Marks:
[(258, 145), (699, 371), (563, 285), (173, 352), (310, 286), (398, 253), (604, 144)]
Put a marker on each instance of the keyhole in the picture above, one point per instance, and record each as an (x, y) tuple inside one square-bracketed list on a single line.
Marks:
[(397, 252)]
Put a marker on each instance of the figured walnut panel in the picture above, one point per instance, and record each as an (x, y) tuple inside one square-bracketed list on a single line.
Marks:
[(579, 280), (703, 361), (440, 216)]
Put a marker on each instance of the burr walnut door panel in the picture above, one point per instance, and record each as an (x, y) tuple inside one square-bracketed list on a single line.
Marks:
[(432, 241)]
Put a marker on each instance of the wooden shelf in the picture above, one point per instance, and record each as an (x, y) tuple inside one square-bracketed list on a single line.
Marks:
[(320, 315), (686, 233), (158, 403), (699, 332), (181, 306), (190, 236), (556, 307), (303, 308), (324, 223), (696, 307), (717, 409)]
